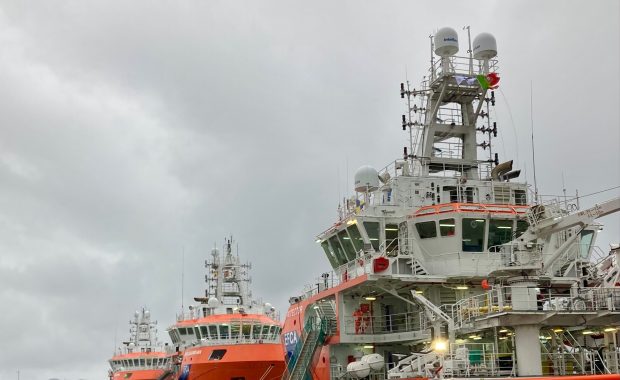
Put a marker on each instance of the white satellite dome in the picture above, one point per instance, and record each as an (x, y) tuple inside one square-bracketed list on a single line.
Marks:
[(268, 308), (366, 179), (147, 314), (213, 302), (358, 370), (374, 361), (446, 42), (485, 46)]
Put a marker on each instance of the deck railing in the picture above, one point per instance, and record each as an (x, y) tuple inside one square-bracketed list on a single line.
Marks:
[(498, 300), (386, 324)]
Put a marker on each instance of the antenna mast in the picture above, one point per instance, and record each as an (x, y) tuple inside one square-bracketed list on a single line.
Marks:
[(533, 150), (471, 57), (183, 279)]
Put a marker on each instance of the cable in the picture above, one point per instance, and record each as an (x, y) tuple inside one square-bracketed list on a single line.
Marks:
[(582, 196)]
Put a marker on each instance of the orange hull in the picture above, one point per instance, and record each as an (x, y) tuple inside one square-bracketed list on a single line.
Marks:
[(249, 361), (142, 374), (568, 377)]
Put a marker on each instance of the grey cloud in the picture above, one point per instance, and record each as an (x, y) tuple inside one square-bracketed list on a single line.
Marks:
[(133, 131)]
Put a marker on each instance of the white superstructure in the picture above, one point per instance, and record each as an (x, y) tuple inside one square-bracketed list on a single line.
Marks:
[(447, 265)]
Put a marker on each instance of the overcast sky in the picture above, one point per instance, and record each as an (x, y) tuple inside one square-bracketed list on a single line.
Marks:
[(131, 131)]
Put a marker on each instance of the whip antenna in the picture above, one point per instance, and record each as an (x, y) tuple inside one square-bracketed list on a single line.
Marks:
[(533, 154)]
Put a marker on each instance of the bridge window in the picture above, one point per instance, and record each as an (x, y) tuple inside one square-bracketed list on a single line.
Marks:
[(197, 332), (473, 235), (213, 331), (522, 226), (335, 244), (426, 229), (246, 330), (585, 242), (372, 229), (347, 245), (391, 238), (224, 331), (356, 238), (204, 331), (500, 232), (256, 331), (333, 260), (268, 332), (234, 331), (447, 227)]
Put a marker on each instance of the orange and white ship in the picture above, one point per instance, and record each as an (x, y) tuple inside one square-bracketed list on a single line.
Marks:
[(445, 265), (228, 335), (142, 357)]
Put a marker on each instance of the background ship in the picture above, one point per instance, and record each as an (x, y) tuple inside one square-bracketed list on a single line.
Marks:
[(228, 335), (444, 265), (142, 357)]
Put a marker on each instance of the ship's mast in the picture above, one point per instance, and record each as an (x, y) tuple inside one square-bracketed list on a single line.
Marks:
[(454, 103), (227, 278), (143, 332)]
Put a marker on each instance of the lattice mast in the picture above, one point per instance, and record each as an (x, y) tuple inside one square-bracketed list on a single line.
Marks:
[(227, 278), (143, 331), (443, 128)]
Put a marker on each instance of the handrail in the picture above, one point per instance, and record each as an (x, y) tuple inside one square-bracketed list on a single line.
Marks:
[(322, 329), (386, 324), (494, 301)]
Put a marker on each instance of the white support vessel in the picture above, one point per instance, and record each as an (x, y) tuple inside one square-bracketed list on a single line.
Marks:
[(445, 265)]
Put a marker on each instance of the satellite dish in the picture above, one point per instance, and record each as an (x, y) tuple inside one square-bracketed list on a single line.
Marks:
[(446, 42), (213, 302), (485, 46), (366, 179)]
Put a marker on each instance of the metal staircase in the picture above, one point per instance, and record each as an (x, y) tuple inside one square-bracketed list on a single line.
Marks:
[(327, 311), (568, 355), (417, 268), (313, 336)]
